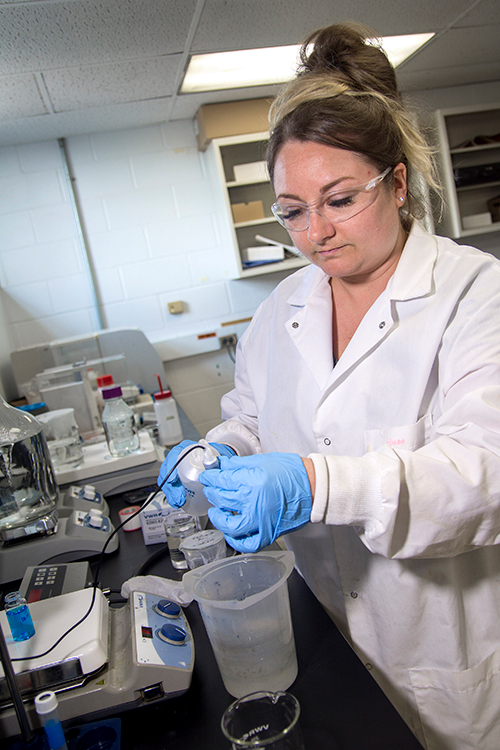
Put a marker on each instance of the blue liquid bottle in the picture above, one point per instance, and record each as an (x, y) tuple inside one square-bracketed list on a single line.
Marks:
[(18, 617)]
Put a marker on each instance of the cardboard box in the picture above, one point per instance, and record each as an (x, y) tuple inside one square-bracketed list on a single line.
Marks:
[(230, 118), (247, 211), (153, 520)]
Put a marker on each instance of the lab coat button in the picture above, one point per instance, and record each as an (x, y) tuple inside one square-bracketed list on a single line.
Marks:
[(382, 324), (327, 441), (354, 594), (295, 325), (368, 666)]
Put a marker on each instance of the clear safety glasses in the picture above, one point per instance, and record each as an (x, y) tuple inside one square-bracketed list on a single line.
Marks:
[(337, 206)]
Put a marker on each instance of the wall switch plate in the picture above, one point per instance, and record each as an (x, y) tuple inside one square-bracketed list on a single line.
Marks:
[(175, 308)]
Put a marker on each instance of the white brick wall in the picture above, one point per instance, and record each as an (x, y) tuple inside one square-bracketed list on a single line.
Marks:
[(153, 236)]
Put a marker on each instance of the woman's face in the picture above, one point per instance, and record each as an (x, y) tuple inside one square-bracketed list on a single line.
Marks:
[(361, 248)]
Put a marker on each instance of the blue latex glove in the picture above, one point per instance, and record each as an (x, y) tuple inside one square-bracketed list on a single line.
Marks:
[(173, 489), (258, 498)]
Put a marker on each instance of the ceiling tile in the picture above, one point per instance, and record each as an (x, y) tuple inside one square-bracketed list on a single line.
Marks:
[(20, 97), (36, 36), (113, 83)]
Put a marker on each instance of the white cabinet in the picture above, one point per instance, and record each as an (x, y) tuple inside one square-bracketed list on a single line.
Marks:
[(246, 196), (470, 168)]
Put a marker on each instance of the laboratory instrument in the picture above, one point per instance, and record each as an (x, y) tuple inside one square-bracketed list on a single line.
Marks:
[(263, 720), (192, 461), (119, 423), (116, 658), (126, 352), (81, 529), (246, 610), (63, 439)]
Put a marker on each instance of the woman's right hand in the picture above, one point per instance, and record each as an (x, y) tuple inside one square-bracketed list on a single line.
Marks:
[(172, 487)]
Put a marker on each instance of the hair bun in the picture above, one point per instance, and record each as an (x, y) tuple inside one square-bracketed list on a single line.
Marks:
[(345, 52)]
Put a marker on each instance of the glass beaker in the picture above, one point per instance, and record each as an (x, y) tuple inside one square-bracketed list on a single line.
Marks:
[(28, 489), (178, 526), (263, 720), (245, 607)]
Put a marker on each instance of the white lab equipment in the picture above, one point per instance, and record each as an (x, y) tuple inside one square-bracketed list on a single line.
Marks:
[(116, 658)]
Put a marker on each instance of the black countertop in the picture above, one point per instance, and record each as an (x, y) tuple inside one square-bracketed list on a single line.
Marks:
[(342, 708)]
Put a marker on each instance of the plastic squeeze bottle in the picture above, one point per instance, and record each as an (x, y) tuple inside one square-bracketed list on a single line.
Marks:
[(119, 423), (167, 416)]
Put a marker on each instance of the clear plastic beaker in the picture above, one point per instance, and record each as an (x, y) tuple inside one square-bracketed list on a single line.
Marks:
[(246, 610)]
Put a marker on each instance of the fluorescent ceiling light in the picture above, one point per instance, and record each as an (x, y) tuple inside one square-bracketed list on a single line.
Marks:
[(259, 67)]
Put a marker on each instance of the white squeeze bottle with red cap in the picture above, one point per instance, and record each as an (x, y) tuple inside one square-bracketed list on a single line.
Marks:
[(167, 416)]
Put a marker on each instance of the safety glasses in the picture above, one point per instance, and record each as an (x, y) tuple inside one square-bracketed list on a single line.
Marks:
[(337, 206)]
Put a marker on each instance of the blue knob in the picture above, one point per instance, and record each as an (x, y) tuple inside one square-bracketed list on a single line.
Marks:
[(166, 608), (172, 634)]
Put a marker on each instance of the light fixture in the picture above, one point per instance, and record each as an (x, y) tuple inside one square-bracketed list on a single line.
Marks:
[(216, 71)]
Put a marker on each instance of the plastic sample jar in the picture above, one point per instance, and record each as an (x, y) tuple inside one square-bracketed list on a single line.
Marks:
[(203, 547)]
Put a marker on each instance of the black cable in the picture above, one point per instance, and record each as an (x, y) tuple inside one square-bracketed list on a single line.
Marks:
[(101, 557), (150, 560)]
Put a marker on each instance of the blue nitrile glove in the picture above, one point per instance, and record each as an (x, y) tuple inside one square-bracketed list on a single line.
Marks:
[(173, 489), (269, 493)]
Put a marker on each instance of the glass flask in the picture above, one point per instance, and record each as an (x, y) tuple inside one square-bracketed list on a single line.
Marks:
[(28, 488)]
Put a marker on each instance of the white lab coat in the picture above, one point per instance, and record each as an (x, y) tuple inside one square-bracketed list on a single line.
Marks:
[(405, 435)]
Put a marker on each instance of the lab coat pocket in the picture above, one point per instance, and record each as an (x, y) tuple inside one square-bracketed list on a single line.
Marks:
[(460, 710), (409, 437)]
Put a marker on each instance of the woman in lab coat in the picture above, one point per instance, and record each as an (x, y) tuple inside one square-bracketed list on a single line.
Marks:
[(366, 408)]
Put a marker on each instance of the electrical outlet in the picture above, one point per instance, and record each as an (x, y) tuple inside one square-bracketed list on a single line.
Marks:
[(229, 339)]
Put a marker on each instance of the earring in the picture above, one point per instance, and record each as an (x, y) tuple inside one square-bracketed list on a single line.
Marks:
[(401, 198)]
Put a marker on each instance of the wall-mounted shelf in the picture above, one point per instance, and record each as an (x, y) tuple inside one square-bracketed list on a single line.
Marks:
[(457, 127), (252, 195)]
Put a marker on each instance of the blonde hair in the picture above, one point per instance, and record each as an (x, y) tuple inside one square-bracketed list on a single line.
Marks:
[(346, 95)]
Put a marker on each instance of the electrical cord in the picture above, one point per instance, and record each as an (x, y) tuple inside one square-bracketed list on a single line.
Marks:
[(101, 557)]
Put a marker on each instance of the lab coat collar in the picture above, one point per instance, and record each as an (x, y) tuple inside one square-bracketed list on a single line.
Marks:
[(414, 273), (311, 301)]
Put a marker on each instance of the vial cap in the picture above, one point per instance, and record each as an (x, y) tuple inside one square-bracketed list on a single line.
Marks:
[(114, 392), (45, 702), (161, 395)]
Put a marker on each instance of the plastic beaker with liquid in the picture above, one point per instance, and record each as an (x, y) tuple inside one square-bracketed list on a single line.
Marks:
[(246, 610)]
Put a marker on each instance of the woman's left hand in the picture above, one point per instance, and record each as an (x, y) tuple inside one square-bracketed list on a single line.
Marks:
[(258, 498)]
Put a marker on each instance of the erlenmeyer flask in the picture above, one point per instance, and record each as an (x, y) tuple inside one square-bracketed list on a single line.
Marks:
[(28, 488)]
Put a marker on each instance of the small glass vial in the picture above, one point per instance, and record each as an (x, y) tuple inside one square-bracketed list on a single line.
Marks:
[(18, 616), (46, 708), (119, 423)]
